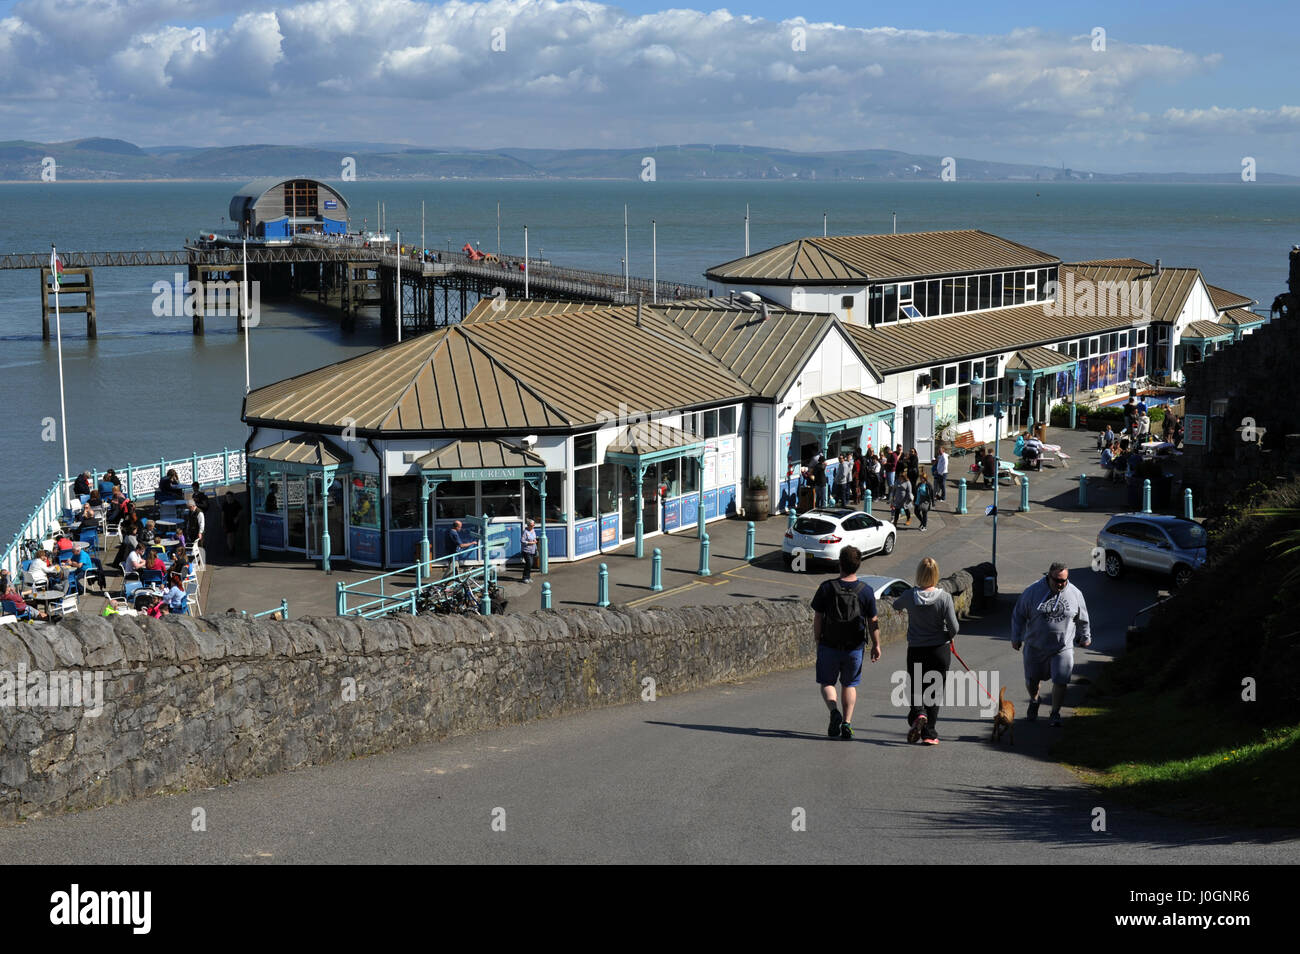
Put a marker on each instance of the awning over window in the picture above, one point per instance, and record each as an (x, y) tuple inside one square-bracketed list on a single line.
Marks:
[(482, 460), (829, 414), (306, 452), (1032, 363), (649, 441)]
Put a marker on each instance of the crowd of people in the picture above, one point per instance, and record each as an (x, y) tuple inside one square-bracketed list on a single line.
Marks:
[(898, 477)]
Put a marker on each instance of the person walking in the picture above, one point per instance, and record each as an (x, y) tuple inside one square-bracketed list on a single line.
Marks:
[(195, 524), (843, 470), (528, 548), (931, 628), (891, 465), (913, 469), (941, 474), (900, 464), (900, 500), (924, 500), (844, 613), (1049, 620)]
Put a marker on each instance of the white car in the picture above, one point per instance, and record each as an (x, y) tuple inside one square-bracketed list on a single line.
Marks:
[(886, 588), (821, 534)]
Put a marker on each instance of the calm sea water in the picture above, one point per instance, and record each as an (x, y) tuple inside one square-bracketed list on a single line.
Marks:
[(148, 388)]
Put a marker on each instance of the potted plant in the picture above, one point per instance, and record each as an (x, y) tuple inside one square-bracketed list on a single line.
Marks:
[(758, 502)]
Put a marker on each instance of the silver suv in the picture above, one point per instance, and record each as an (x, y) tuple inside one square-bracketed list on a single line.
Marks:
[(1152, 541)]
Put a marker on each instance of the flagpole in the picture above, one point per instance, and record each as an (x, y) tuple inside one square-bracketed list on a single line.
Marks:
[(626, 263), (399, 285), (58, 331), (243, 294)]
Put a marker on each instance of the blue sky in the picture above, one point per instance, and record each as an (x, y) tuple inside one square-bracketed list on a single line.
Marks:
[(1191, 86)]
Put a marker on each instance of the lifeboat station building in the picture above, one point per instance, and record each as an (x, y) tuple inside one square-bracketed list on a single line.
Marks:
[(608, 425), (272, 209)]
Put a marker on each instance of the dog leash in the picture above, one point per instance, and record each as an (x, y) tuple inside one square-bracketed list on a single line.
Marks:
[(953, 647)]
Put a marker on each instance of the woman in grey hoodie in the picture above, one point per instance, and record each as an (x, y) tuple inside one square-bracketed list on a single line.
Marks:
[(931, 625)]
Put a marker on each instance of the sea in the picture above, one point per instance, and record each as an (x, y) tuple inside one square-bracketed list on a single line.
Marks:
[(148, 388)]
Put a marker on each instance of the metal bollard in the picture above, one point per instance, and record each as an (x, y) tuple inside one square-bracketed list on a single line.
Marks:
[(704, 557), (657, 571), (1187, 504), (961, 495), (1146, 496), (1024, 493), (602, 586), (866, 501), (546, 596), (789, 520), (1083, 491), (1074, 408), (749, 541)]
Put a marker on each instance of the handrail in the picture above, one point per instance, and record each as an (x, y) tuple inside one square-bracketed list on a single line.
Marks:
[(387, 600), (282, 609)]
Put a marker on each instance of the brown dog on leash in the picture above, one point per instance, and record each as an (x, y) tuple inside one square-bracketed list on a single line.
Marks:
[(1005, 720)]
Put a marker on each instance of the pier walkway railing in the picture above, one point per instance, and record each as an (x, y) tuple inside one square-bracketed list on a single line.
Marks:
[(138, 481), (383, 594)]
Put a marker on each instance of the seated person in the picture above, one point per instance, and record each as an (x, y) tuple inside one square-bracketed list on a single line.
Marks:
[(43, 571), (81, 486), (155, 562), (134, 560), (15, 602), (63, 546), (1033, 452), (989, 469), (90, 568), (198, 496), (180, 565), (175, 595), (87, 519), (170, 488), (1108, 457), (96, 501)]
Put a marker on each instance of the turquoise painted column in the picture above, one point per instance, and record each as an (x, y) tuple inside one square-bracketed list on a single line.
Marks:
[(327, 475), (425, 555), (749, 541), (250, 480), (1024, 493), (543, 549), (1073, 414), (225, 466), (602, 586), (699, 507), (866, 501), (704, 557), (1029, 418), (487, 565), (961, 495), (1187, 503), (340, 598), (657, 571), (1083, 491), (546, 596), (640, 512), (284, 609)]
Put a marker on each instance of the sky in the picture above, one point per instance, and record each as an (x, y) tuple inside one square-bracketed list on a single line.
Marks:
[(1107, 87)]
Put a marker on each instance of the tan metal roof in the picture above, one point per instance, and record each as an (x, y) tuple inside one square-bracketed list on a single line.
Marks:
[(841, 259), (1239, 316), (565, 370), (647, 437), (840, 406), (471, 455), (1117, 263), (920, 344), (765, 354), (1205, 329), (1037, 359), (1169, 289), (491, 309), (1224, 299), (304, 449)]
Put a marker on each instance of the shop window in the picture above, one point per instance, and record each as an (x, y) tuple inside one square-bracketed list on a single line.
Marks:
[(268, 491), (365, 501), (554, 498), (584, 493), (501, 498), (726, 420), (584, 450), (404, 502)]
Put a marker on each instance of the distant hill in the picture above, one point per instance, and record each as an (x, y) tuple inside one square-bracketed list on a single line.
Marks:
[(99, 158)]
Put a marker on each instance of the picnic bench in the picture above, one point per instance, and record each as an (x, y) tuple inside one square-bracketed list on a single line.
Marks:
[(966, 443)]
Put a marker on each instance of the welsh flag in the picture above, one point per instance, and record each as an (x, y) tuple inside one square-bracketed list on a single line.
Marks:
[(56, 268)]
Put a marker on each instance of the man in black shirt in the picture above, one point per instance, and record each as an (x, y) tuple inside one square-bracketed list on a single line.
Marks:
[(844, 610)]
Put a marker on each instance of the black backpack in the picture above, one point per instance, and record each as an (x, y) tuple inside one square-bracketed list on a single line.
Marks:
[(843, 625)]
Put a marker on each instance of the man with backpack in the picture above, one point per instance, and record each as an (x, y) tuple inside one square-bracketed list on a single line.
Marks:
[(844, 611)]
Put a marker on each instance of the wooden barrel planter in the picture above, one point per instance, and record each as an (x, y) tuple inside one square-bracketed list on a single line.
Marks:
[(758, 502)]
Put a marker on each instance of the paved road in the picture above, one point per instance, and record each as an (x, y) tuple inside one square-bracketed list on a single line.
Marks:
[(708, 776)]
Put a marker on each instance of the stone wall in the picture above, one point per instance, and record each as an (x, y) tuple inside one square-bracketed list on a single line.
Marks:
[(191, 702), (1254, 378)]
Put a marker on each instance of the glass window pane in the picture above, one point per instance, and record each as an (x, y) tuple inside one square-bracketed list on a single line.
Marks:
[(584, 450), (963, 372), (995, 296), (710, 424), (670, 477), (727, 420), (936, 377), (875, 304), (963, 403), (986, 284), (269, 491), (404, 502), (1008, 282), (950, 375), (990, 368), (501, 498), (554, 498), (607, 481), (690, 474), (891, 303), (584, 493), (365, 501)]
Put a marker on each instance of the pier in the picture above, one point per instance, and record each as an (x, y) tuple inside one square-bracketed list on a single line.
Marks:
[(350, 274)]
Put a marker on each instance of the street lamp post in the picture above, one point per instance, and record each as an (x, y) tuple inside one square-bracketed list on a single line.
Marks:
[(1018, 392)]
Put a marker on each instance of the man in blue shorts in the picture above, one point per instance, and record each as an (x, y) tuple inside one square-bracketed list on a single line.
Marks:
[(844, 610), (1050, 618)]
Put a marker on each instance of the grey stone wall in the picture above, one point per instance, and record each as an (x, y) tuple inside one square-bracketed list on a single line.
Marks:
[(196, 702)]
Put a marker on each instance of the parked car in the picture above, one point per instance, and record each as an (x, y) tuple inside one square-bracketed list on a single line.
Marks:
[(821, 534), (1154, 542), (886, 588)]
